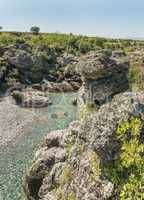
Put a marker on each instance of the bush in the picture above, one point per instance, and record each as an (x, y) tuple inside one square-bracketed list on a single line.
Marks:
[(127, 171)]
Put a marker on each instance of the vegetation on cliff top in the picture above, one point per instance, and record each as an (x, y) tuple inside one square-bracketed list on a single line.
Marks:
[(68, 42), (39, 53)]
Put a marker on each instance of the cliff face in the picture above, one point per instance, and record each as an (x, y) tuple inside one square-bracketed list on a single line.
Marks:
[(101, 156), (103, 77)]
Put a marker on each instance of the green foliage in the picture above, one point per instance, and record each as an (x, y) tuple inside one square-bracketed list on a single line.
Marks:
[(66, 176), (95, 164), (60, 195), (129, 49), (71, 196), (35, 30), (127, 171), (11, 81), (85, 110), (100, 42), (48, 46), (84, 46), (136, 76), (133, 189), (68, 42)]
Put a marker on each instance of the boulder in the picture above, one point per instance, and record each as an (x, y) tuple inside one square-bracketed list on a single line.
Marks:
[(67, 59), (31, 98), (99, 65), (118, 54), (55, 138), (103, 77), (54, 116), (18, 58)]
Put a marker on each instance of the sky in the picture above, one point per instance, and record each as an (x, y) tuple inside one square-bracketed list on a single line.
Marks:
[(106, 18)]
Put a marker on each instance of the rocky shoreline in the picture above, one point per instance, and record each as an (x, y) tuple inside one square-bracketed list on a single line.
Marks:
[(13, 121), (90, 160)]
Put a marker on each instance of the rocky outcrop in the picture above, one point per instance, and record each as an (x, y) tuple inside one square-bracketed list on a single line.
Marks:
[(103, 77), (22, 63), (18, 58), (118, 54), (70, 163), (31, 98), (57, 87), (67, 59)]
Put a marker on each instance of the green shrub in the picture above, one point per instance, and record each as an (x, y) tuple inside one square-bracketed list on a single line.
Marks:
[(85, 110), (127, 171), (136, 76), (66, 176), (72, 196), (95, 164)]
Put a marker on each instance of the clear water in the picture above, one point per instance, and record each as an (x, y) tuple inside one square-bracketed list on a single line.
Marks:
[(15, 159)]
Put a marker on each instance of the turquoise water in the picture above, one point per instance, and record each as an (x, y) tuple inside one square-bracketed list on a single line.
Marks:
[(15, 159)]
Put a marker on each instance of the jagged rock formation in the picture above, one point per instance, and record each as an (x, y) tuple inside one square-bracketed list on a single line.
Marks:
[(21, 63), (103, 77), (69, 164), (64, 86)]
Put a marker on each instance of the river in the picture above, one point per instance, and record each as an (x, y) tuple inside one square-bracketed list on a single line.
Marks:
[(15, 159)]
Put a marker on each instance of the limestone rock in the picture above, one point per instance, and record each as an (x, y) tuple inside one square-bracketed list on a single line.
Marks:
[(57, 87), (19, 58), (103, 77), (67, 59), (118, 54), (99, 65), (98, 131), (69, 163), (31, 98)]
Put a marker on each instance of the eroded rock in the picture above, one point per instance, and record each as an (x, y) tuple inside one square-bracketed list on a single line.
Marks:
[(83, 150), (31, 98), (103, 77)]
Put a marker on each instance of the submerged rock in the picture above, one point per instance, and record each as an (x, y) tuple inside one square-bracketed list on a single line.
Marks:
[(54, 116)]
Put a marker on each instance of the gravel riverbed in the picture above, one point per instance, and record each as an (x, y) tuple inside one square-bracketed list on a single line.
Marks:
[(13, 121)]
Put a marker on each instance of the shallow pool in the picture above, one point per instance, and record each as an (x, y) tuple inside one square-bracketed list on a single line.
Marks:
[(15, 159)]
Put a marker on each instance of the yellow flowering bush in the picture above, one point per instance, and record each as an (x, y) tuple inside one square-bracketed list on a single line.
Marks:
[(127, 171)]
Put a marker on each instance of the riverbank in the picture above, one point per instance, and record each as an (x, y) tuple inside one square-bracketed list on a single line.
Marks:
[(13, 121)]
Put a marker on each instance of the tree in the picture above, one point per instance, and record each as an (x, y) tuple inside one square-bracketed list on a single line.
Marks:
[(35, 30), (1, 27)]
